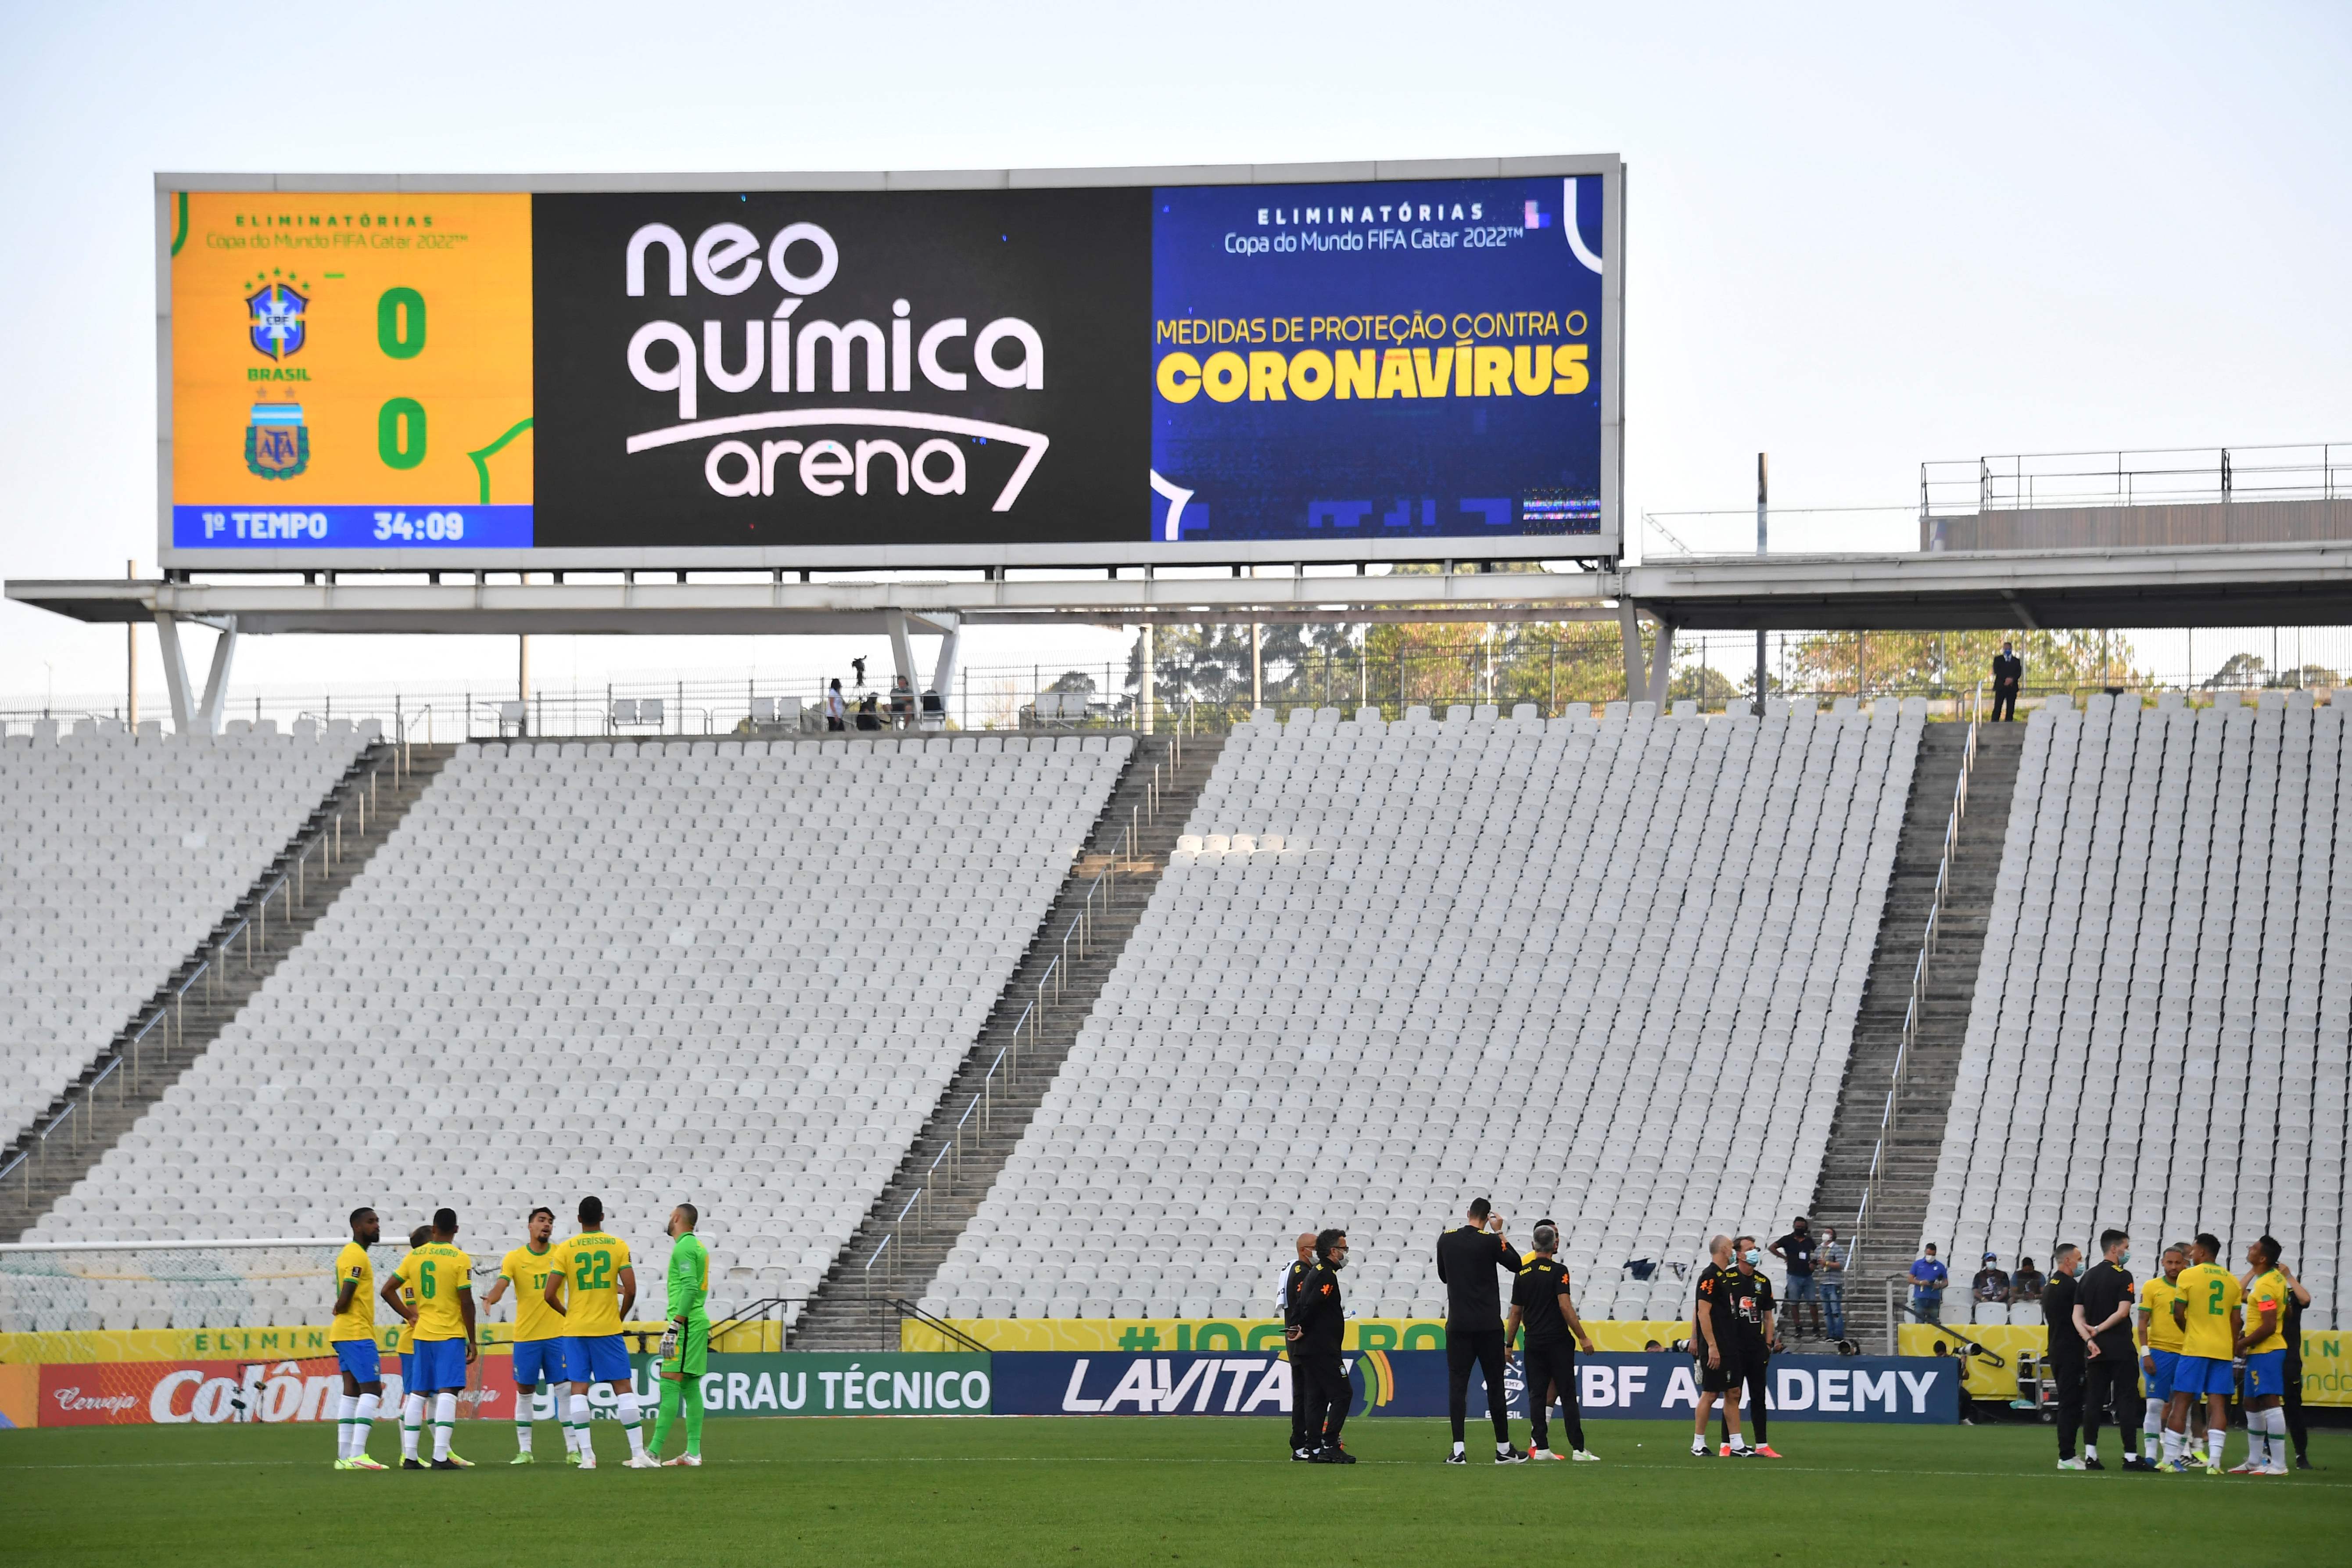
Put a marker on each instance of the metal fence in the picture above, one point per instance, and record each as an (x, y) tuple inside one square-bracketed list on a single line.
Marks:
[(2156, 476), (1549, 667)]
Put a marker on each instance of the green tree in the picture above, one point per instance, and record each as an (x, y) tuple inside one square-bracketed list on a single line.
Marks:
[(1949, 663)]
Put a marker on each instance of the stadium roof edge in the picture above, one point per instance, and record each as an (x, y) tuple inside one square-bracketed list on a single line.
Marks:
[(2305, 584)]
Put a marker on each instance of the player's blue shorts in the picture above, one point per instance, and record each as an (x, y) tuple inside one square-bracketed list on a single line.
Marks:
[(2266, 1373), (440, 1366), (359, 1360), (539, 1360), (599, 1358), (408, 1370), (2203, 1375), (2166, 1364)]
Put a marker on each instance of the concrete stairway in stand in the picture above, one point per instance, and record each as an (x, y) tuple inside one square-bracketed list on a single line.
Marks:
[(213, 983), (1890, 1236), (855, 1307)]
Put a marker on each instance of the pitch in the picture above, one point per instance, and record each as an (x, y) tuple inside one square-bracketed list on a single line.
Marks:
[(1162, 1491)]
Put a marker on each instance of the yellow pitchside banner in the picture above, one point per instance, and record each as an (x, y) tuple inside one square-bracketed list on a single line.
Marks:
[(289, 1343), (2326, 1358), (1177, 1334)]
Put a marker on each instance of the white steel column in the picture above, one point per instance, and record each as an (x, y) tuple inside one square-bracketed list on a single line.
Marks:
[(943, 673), (902, 658), (1630, 626), (1662, 665), (175, 674), (1144, 695), (215, 699)]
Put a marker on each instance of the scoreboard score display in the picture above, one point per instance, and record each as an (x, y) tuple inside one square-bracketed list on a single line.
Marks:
[(1081, 369)]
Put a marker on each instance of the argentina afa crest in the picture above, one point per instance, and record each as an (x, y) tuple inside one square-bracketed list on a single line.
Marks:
[(277, 443)]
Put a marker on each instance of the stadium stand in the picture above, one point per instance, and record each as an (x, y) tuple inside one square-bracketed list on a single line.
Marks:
[(1394, 965), (717, 971), (2158, 1036), (116, 858)]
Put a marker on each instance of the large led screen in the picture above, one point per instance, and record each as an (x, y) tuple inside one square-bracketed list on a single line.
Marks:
[(1069, 372)]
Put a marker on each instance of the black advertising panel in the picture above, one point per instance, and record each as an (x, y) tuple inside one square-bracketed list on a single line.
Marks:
[(826, 369)]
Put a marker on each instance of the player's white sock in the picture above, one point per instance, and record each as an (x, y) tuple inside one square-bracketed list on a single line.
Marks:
[(522, 1430), (2151, 1426), (2278, 1437), (2216, 1438), (2172, 1446), (2090, 1452), (580, 1423), (444, 1424), (364, 1423), (344, 1402), (412, 1424), (1457, 1447), (629, 1413)]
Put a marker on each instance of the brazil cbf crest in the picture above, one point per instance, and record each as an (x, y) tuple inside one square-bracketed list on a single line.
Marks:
[(276, 444), (276, 325)]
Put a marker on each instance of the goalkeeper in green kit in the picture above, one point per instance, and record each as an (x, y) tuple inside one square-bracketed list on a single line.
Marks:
[(686, 1347)]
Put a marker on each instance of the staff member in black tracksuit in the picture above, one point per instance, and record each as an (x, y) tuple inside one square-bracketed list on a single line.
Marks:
[(2103, 1331), (1752, 1311), (1467, 1256), (1314, 1327), (2068, 1354), (1540, 1300), (1302, 1435), (1715, 1340)]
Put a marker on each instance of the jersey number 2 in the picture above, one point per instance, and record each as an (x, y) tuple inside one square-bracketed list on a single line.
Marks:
[(595, 1272)]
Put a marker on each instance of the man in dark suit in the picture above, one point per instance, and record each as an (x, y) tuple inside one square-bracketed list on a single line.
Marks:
[(2008, 675)]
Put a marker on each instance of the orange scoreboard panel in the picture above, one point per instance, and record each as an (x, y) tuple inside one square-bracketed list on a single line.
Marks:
[(351, 371)]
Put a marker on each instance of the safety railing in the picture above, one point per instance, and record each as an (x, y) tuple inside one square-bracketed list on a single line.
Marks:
[(979, 1112), (162, 1023), (1890, 1117), (2170, 476)]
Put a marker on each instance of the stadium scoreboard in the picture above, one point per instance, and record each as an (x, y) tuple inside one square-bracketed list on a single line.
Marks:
[(1084, 368)]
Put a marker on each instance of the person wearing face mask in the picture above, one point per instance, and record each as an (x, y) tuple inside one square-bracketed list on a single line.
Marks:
[(2103, 1311), (1752, 1312), (1798, 1250), (2067, 1351), (1316, 1324)]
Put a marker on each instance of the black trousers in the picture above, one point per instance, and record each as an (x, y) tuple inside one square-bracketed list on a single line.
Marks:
[(1753, 1360), (2067, 1375), (2004, 704), (1328, 1396), (2111, 1390), (1552, 1365), (1484, 1348), (2291, 1402), (1302, 1403)]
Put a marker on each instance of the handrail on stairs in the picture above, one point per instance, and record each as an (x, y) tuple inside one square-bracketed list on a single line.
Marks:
[(1890, 1115), (357, 789)]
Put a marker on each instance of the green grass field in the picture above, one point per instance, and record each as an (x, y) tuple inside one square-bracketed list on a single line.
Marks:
[(1143, 1490)]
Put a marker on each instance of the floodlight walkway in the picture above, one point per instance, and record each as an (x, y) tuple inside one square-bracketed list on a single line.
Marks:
[(210, 986), (1906, 1144), (979, 1122)]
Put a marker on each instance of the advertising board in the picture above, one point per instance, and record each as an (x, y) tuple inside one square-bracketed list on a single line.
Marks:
[(1636, 1386), (1092, 368)]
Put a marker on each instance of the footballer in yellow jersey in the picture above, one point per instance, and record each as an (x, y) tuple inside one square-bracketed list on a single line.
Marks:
[(2207, 1310), (538, 1336), (593, 1287), (352, 1331), (2159, 1347), (2265, 1348), (441, 1278)]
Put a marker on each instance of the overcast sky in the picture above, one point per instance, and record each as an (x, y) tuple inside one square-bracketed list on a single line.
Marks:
[(1857, 240)]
